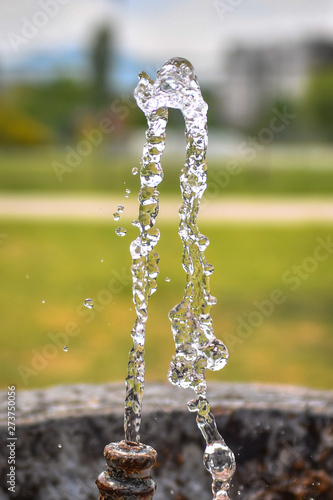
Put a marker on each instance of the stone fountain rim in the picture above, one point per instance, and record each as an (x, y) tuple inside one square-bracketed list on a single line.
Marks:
[(65, 401)]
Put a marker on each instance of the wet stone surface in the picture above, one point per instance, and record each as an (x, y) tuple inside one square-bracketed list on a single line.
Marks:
[(282, 438)]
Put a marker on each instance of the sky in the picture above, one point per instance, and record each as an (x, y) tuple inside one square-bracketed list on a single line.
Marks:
[(148, 32)]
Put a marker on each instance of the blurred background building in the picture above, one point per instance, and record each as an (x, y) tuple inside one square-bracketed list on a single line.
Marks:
[(258, 76)]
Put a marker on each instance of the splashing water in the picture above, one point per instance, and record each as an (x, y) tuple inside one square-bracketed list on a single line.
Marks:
[(197, 348), (144, 258), (89, 303), (120, 231)]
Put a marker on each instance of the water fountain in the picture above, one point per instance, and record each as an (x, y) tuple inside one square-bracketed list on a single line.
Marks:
[(129, 462), (282, 435)]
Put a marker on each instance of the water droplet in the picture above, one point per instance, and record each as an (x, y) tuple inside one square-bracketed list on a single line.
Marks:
[(208, 269), (116, 216), (216, 354), (121, 208), (135, 170), (120, 231), (211, 300), (65, 348), (102, 260), (167, 279), (43, 301), (219, 461), (127, 193), (59, 445), (89, 303)]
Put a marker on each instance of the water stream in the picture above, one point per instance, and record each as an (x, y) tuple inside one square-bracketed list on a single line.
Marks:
[(197, 348)]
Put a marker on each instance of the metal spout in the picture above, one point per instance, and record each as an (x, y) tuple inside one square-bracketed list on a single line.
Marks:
[(128, 472)]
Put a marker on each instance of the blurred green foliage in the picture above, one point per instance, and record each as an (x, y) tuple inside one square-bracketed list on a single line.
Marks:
[(65, 107), (318, 103), (313, 111), (19, 127), (60, 263), (57, 110), (55, 103), (105, 171)]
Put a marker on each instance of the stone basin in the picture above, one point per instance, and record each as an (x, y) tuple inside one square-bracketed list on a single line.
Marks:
[(282, 438)]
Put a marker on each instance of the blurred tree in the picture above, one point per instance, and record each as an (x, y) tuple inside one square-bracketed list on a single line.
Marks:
[(318, 103), (216, 118), (288, 130), (54, 103), (18, 128), (102, 62)]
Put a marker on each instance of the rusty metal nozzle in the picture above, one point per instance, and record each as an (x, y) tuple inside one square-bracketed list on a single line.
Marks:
[(128, 472)]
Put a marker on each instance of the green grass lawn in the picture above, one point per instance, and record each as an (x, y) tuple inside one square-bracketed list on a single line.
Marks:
[(61, 264), (102, 171)]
